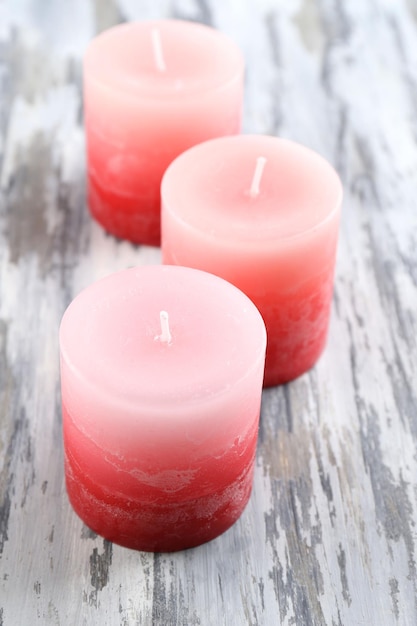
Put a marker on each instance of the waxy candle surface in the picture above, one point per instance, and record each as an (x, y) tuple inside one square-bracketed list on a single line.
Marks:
[(160, 427), (152, 90), (272, 232)]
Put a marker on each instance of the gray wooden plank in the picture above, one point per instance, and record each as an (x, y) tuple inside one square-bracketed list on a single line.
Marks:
[(329, 534)]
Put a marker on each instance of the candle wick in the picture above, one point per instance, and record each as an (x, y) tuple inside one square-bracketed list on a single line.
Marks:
[(257, 176), (165, 335), (157, 50)]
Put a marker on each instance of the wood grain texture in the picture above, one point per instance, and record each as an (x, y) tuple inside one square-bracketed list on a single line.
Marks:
[(329, 536)]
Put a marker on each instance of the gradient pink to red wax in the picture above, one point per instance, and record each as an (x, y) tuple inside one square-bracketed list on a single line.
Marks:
[(278, 247), (138, 118), (160, 437)]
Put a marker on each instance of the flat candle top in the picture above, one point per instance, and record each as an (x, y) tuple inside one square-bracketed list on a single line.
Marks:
[(110, 335), (190, 58), (209, 188)]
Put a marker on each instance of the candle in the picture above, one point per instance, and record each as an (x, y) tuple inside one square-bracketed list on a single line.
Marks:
[(161, 371), (151, 90), (263, 213)]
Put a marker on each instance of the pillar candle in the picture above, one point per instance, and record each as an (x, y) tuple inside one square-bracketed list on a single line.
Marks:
[(263, 213), (151, 90), (161, 371)]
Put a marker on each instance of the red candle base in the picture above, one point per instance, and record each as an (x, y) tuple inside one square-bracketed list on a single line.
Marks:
[(299, 326), (158, 527), (114, 503), (124, 216)]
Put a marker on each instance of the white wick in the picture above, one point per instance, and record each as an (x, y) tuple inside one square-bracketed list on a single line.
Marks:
[(257, 176), (157, 50), (165, 335)]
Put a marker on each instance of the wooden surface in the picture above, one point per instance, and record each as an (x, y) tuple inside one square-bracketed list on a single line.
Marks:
[(329, 536)]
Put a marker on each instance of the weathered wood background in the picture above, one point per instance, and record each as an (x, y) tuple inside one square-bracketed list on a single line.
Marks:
[(329, 536)]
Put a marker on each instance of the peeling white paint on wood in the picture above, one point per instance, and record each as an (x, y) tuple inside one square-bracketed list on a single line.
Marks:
[(329, 536)]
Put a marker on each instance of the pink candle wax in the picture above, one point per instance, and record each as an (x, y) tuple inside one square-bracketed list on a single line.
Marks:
[(152, 90), (161, 371), (262, 213)]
